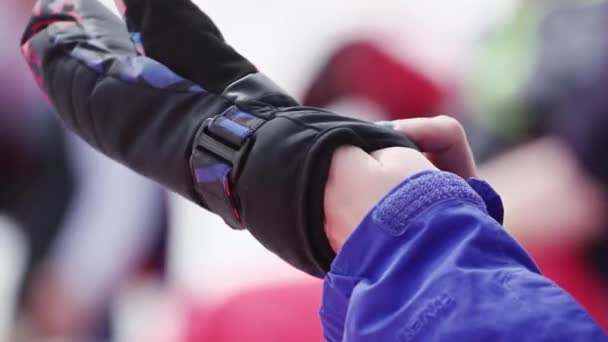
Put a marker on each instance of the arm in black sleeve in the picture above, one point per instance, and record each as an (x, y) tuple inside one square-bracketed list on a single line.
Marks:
[(229, 139)]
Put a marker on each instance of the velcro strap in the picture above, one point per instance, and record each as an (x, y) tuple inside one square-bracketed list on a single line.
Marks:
[(214, 157)]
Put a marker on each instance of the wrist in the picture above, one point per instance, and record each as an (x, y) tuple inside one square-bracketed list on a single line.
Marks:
[(393, 215)]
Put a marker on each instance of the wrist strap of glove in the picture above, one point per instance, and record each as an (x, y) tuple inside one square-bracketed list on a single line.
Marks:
[(220, 143)]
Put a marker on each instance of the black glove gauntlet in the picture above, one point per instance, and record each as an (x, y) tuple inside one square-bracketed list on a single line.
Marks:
[(222, 134)]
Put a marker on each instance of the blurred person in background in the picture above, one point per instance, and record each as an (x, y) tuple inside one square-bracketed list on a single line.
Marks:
[(364, 70), (88, 222), (539, 90)]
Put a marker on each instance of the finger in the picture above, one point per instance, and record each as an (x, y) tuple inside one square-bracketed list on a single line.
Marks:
[(443, 140), (434, 134)]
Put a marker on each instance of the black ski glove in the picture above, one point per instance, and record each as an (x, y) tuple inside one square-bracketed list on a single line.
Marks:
[(221, 134)]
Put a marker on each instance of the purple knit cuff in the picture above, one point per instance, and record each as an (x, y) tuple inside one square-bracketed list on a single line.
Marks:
[(400, 207)]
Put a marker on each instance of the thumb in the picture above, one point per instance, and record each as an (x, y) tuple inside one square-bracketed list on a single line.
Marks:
[(444, 142)]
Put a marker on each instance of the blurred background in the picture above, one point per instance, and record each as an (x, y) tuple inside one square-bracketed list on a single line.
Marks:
[(91, 252)]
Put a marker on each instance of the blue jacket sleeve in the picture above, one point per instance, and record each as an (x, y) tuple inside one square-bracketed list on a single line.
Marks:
[(431, 263)]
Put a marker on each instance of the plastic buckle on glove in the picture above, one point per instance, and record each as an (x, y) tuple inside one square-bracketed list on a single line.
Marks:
[(214, 158), (208, 141)]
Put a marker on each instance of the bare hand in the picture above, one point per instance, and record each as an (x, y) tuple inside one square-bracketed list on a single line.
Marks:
[(357, 180)]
